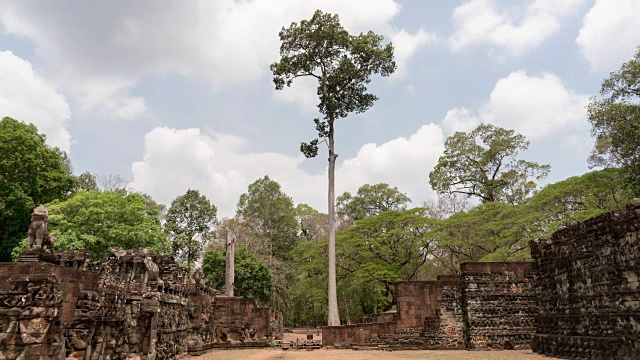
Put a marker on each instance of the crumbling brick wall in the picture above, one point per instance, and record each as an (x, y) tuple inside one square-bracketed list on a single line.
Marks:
[(490, 305), (500, 307), (132, 305), (589, 292)]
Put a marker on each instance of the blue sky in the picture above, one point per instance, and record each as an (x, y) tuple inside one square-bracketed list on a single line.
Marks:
[(176, 95)]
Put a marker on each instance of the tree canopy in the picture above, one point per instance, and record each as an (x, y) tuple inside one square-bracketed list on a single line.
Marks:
[(270, 215), (96, 221), (31, 173), (491, 170), (371, 200), (342, 64), (615, 120), (252, 278), (189, 219)]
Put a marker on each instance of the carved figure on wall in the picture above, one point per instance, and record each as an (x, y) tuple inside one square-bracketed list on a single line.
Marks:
[(153, 272), (38, 229)]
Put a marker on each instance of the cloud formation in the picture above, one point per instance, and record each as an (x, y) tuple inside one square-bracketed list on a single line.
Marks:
[(100, 51), (512, 30), (610, 34), (25, 96), (533, 105), (221, 167)]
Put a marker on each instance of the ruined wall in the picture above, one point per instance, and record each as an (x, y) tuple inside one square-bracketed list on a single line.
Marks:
[(589, 293), (132, 305), (246, 324), (491, 305), (356, 334), (37, 302), (500, 306)]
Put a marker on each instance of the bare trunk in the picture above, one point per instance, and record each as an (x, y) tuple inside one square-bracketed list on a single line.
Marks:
[(230, 264), (334, 316)]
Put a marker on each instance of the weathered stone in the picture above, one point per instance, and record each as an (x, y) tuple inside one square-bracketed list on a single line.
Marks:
[(587, 288), (133, 305)]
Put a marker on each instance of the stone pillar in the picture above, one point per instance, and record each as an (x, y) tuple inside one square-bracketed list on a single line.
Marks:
[(230, 263)]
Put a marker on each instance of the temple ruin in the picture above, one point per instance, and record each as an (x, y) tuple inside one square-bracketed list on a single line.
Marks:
[(578, 298), (132, 305)]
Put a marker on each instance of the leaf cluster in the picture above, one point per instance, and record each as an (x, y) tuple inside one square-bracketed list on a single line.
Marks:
[(489, 170), (615, 120), (371, 200)]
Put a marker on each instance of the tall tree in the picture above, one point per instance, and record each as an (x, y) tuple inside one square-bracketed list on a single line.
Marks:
[(269, 212), (615, 121), (189, 219), (491, 170), (372, 200), (96, 221), (31, 173), (342, 64)]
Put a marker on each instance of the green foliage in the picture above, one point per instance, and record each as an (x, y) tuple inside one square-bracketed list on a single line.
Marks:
[(87, 182), (501, 232), (96, 221), (308, 293), (371, 200), (615, 120), (31, 173), (342, 63), (189, 218), (379, 251), (270, 215), (491, 170), (252, 278)]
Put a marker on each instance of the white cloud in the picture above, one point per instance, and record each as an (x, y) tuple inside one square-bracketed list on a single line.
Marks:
[(533, 105), (27, 97), (405, 46), (100, 51), (221, 167), (512, 30), (459, 119), (610, 34)]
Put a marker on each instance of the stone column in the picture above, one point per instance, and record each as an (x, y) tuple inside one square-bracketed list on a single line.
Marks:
[(230, 263)]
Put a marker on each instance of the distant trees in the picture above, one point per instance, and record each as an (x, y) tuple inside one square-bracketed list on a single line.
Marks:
[(252, 278), (371, 200), (490, 170), (269, 214), (615, 121), (188, 221), (343, 64), (31, 173)]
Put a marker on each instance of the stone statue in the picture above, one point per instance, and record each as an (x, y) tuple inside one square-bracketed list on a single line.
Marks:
[(38, 229), (153, 272)]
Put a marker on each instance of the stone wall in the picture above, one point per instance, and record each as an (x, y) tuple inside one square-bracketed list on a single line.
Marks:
[(589, 292), (499, 305), (491, 305), (131, 306), (360, 334)]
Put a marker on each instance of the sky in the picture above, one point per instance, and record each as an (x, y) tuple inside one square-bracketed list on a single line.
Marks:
[(177, 95)]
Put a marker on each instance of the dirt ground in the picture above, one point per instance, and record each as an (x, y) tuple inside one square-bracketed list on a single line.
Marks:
[(324, 354), (331, 354)]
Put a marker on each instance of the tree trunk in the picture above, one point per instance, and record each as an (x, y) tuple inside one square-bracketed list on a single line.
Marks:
[(334, 316)]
